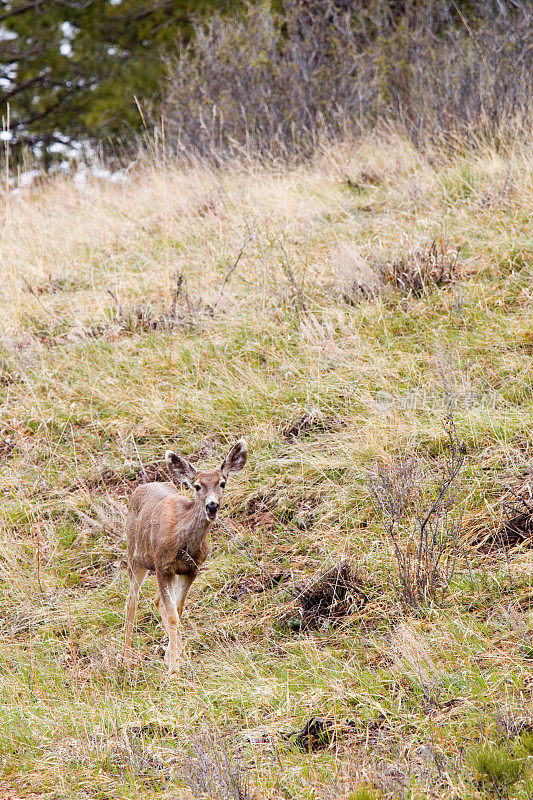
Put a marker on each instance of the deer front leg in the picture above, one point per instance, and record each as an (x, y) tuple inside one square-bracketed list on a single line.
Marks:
[(184, 584), (159, 606), (137, 576), (172, 594)]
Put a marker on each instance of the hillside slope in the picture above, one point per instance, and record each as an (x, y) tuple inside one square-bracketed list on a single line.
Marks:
[(186, 309)]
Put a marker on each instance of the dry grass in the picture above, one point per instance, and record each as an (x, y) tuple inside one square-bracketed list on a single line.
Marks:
[(321, 388)]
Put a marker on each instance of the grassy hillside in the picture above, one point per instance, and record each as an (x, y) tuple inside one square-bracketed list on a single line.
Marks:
[(185, 310)]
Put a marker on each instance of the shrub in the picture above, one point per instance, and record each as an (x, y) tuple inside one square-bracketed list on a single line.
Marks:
[(212, 769), (275, 85), (425, 536)]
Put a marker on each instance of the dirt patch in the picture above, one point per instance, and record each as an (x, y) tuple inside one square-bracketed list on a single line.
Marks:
[(270, 506), (259, 509), (245, 585), (336, 594), (318, 733), (123, 484)]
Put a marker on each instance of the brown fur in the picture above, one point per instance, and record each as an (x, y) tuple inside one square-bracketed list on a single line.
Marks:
[(167, 533)]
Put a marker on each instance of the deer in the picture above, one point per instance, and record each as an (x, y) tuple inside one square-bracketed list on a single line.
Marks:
[(167, 534)]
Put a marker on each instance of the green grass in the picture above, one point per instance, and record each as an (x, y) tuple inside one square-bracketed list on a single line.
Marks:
[(425, 704)]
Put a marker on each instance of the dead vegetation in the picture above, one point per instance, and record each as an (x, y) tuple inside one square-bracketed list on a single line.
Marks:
[(51, 285), (422, 268), (337, 593), (317, 733), (183, 312), (311, 421), (425, 533), (110, 403), (507, 524), (123, 483), (517, 526), (245, 585), (213, 769), (421, 71), (414, 272)]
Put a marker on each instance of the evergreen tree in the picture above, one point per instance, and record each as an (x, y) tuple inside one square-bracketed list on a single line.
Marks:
[(78, 68)]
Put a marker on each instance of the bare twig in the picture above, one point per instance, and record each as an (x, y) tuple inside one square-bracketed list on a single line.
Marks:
[(234, 266)]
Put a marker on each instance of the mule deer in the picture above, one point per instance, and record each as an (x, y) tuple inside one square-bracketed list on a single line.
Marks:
[(167, 534)]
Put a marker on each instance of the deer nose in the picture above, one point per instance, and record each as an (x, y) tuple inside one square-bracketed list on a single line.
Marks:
[(212, 507)]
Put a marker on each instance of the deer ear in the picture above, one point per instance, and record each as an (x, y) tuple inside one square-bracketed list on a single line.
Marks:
[(236, 458), (181, 468)]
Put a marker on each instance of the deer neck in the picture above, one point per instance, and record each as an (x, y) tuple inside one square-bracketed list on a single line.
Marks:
[(199, 525)]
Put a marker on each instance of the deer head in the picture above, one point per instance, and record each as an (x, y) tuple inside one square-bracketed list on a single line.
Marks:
[(208, 486)]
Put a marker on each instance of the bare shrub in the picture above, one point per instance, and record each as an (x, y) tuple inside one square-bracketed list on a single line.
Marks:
[(419, 269), (263, 84), (211, 769), (425, 534)]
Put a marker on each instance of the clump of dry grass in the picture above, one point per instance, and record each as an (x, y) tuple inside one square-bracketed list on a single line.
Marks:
[(144, 318), (332, 596), (422, 268), (311, 420), (415, 272)]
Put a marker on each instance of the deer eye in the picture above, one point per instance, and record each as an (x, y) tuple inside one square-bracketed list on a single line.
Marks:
[(222, 484), (197, 487)]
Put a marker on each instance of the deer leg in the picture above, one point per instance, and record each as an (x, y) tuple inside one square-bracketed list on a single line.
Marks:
[(159, 606), (137, 576), (172, 598), (185, 583)]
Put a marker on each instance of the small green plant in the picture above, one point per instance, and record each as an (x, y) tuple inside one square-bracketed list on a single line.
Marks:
[(458, 184), (497, 768), (363, 793), (525, 744)]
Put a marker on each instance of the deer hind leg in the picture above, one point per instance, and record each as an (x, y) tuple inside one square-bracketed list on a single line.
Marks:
[(137, 576), (172, 594)]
